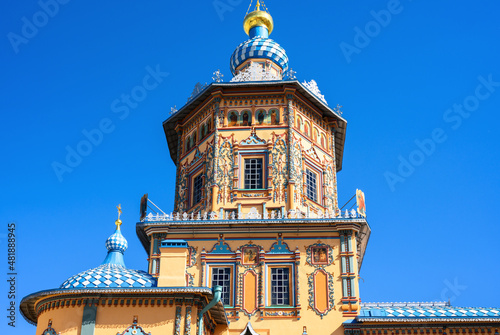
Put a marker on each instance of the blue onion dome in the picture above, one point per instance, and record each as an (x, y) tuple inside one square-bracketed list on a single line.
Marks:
[(117, 242), (258, 25), (112, 273)]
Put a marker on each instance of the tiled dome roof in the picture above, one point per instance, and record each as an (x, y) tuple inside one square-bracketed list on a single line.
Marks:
[(259, 47), (112, 273), (117, 242), (109, 275)]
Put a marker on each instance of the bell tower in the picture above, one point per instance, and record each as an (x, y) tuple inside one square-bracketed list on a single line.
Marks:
[(258, 141), (256, 207)]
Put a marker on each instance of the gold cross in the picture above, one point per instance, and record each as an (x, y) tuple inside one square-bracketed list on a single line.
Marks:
[(119, 207)]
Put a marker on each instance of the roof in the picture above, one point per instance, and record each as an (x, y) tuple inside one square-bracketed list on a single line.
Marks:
[(110, 275), (259, 47), (424, 312), (170, 124), (28, 304), (112, 272)]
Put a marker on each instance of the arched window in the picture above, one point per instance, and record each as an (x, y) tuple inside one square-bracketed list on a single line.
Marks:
[(233, 119), (260, 117), (275, 118), (323, 141), (203, 131), (299, 123), (189, 143), (315, 135), (306, 128), (246, 120), (194, 140)]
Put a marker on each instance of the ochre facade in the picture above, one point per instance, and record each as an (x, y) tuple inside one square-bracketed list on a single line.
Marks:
[(256, 242), (281, 127)]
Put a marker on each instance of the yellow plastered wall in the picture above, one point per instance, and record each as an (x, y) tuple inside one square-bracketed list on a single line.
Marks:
[(66, 320), (277, 325), (154, 320), (251, 103), (116, 319), (172, 267)]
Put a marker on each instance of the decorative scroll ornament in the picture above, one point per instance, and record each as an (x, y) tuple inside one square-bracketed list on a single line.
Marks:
[(178, 317), (192, 256), (329, 189), (338, 109), (313, 154), (297, 175), (173, 110), (187, 326), (253, 139), (279, 247), (279, 169), (134, 330), (313, 291), (221, 247), (291, 74), (313, 87), (209, 163), (255, 72), (198, 88), (225, 171), (253, 195), (49, 330), (190, 279), (253, 214), (217, 76), (182, 189)]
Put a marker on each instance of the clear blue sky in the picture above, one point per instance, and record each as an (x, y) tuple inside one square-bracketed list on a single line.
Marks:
[(400, 81)]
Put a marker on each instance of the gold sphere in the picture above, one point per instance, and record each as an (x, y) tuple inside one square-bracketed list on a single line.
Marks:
[(118, 223), (258, 18)]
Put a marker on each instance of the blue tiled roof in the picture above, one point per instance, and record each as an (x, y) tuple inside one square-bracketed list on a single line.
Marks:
[(109, 275), (117, 242), (112, 273), (412, 312), (259, 47)]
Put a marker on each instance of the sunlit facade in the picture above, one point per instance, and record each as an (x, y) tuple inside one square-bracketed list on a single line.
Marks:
[(256, 242)]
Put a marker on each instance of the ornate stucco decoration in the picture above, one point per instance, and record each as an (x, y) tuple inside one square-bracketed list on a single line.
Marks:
[(279, 167), (312, 86), (315, 291), (225, 169), (255, 72)]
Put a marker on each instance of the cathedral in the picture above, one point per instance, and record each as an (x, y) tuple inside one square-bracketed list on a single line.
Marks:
[(257, 242)]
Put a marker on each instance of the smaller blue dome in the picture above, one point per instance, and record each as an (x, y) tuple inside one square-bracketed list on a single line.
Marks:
[(259, 47), (109, 275), (112, 273), (117, 242)]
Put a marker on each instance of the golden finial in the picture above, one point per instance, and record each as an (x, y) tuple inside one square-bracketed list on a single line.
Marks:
[(258, 18), (118, 222)]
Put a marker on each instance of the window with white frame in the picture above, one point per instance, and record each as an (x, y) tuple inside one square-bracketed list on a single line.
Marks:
[(253, 173), (222, 276), (311, 185), (280, 286)]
